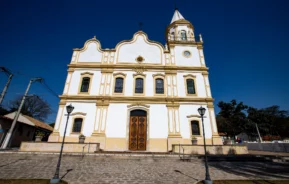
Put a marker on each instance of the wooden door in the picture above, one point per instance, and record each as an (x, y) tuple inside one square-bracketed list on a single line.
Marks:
[(137, 133)]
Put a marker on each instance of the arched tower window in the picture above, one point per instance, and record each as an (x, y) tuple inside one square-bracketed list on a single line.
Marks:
[(183, 35)]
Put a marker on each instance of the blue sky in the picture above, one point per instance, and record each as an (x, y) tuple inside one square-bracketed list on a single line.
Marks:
[(245, 42)]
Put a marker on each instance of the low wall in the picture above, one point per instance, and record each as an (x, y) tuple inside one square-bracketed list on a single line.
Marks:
[(271, 147), (55, 147), (211, 149)]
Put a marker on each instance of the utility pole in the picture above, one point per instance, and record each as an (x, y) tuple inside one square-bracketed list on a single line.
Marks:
[(7, 84), (8, 136), (258, 133)]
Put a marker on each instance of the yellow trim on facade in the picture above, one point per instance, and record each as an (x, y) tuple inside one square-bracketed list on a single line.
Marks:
[(132, 66)]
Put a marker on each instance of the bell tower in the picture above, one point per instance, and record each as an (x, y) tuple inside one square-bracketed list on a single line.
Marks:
[(180, 30)]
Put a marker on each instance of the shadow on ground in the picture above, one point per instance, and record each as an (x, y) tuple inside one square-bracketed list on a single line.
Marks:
[(255, 170)]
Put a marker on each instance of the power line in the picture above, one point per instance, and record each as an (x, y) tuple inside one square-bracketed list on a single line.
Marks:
[(49, 89)]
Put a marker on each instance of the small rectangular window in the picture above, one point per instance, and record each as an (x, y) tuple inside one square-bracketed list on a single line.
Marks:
[(139, 85), (118, 85), (77, 125), (195, 128), (159, 86), (191, 86), (85, 84)]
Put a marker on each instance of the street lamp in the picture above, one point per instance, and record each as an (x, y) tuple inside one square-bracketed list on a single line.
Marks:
[(208, 180), (55, 178)]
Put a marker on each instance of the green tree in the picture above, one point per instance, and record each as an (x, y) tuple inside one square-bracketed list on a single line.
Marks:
[(232, 117), (270, 120), (34, 106)]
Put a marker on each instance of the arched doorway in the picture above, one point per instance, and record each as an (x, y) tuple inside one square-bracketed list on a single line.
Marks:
[(138, 130)]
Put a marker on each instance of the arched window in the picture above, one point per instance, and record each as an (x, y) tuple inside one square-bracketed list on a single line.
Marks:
[(183, 35), (85, 84), (191, 86), (195, 126), (138, 85), (159, 86), (77, 124), (118, 85)]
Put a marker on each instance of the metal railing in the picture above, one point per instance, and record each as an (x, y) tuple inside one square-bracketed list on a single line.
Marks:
[(181, 39)]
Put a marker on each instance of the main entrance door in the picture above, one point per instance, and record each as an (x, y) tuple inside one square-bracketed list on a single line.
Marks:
[(137, 130)]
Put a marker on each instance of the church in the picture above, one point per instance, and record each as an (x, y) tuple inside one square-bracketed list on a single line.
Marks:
[(141, 95)]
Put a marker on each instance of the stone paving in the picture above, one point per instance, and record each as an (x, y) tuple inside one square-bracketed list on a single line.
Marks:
[(120, 169)]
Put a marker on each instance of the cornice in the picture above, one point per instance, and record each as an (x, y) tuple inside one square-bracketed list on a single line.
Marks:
[(134, 99), (168, 68)]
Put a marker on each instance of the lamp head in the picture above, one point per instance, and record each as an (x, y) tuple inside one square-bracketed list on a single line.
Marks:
[(69, 108), (202, 111)]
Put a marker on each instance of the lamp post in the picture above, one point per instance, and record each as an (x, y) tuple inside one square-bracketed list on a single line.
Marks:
[(55, 178), (208, 180)]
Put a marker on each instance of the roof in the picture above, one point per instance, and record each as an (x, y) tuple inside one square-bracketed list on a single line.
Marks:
[(28, 120), (177, 16)]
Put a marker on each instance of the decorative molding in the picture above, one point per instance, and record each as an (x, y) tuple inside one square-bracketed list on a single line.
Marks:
[(139, 74), (106, 70), (159, 75), (139, 59), (190, 75), (78, 113), (132, 99), (194, 116), (86, 73), (145, 67), (137, 104), (120, 73), (139, 70)]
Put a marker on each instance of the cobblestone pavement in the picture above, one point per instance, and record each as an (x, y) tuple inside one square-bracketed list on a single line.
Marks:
[(100, 169)]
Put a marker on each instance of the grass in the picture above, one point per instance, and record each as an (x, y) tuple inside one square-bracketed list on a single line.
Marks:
[(249, 182), (27, 181)]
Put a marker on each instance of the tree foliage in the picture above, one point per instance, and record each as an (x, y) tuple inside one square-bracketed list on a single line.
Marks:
[(235, 118), (231, 117), (34, 106)]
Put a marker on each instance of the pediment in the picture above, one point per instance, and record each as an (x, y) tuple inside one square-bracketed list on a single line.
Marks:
[(140, 50)]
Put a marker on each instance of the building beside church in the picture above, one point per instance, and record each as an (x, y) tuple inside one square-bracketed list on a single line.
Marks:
[(141, 95)]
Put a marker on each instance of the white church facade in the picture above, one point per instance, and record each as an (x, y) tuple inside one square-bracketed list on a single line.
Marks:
[(140, 96)]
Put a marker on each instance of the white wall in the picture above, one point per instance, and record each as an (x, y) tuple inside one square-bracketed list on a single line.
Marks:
[(199, 84), (158, 121), (116, 123), (89, 109), (91, 53), (127, 52), (186, 110), (75, 82), (181, 60)]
